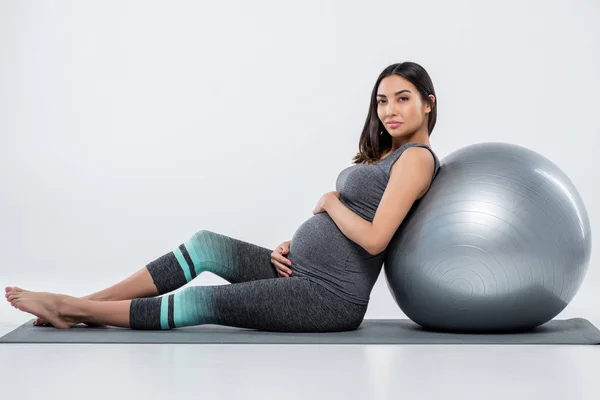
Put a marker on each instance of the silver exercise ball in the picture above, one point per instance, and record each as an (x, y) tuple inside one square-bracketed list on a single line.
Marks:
[(501, 242)]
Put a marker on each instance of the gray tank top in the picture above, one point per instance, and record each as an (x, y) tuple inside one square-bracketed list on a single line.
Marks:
[(321, 252)]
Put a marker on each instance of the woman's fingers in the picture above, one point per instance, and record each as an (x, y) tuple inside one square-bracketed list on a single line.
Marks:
[(283, 268), (280, 267), (281, 262), (282, 273), (284, 260)]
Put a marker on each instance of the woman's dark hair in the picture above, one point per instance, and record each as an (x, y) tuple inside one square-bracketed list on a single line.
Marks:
[(371, 144)]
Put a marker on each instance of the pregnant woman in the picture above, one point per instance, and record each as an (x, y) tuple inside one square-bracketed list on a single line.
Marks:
[(320, 280)]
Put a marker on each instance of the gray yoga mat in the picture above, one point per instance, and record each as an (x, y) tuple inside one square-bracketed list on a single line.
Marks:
[(371, 331)]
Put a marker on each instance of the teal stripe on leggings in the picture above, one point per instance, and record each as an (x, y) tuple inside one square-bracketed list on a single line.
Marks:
[(206, 249), (183, 264), (191, 306), (164, 312), (189, 245)]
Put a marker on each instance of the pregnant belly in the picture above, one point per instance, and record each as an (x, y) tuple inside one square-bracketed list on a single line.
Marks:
[(318, 241)]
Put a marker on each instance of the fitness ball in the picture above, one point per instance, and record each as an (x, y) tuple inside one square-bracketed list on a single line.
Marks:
[(500, 242)]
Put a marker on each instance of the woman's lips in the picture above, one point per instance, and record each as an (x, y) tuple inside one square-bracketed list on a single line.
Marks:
[(394, 124)]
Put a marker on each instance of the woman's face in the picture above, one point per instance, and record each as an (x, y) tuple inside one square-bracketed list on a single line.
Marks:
[(399, 100)]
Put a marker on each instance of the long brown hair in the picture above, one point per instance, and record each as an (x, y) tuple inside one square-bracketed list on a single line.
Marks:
[(371, 144)]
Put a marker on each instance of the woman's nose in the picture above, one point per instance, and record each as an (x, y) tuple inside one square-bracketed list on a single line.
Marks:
[(390, 111)]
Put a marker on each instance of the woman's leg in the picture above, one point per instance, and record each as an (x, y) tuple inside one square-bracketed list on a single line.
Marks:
[(137, 285), (293, 304), (232, 259), (285, 305), (64, 311)]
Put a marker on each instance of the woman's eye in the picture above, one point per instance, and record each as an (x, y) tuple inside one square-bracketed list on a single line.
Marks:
[(379, 101)]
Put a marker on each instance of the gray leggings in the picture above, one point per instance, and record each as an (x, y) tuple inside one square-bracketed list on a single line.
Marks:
[(256, 298)]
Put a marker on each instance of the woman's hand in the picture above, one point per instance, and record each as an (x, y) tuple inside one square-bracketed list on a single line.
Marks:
[(280, 261), (327, 197)]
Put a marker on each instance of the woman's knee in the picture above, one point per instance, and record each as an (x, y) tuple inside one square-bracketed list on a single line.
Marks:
[(203, 233)]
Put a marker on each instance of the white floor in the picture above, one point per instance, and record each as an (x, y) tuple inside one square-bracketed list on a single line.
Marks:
[(150, 371)]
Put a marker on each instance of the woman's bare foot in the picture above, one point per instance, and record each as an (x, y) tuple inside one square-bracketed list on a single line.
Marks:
[(43, 322), (46, 306)]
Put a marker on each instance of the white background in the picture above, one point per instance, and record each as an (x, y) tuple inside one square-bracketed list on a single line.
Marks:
[(127, 126)]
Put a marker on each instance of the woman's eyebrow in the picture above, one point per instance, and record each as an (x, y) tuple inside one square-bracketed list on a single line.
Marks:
[(395, 94)]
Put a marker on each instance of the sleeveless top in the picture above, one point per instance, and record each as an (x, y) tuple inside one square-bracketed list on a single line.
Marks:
[(321, 252)]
